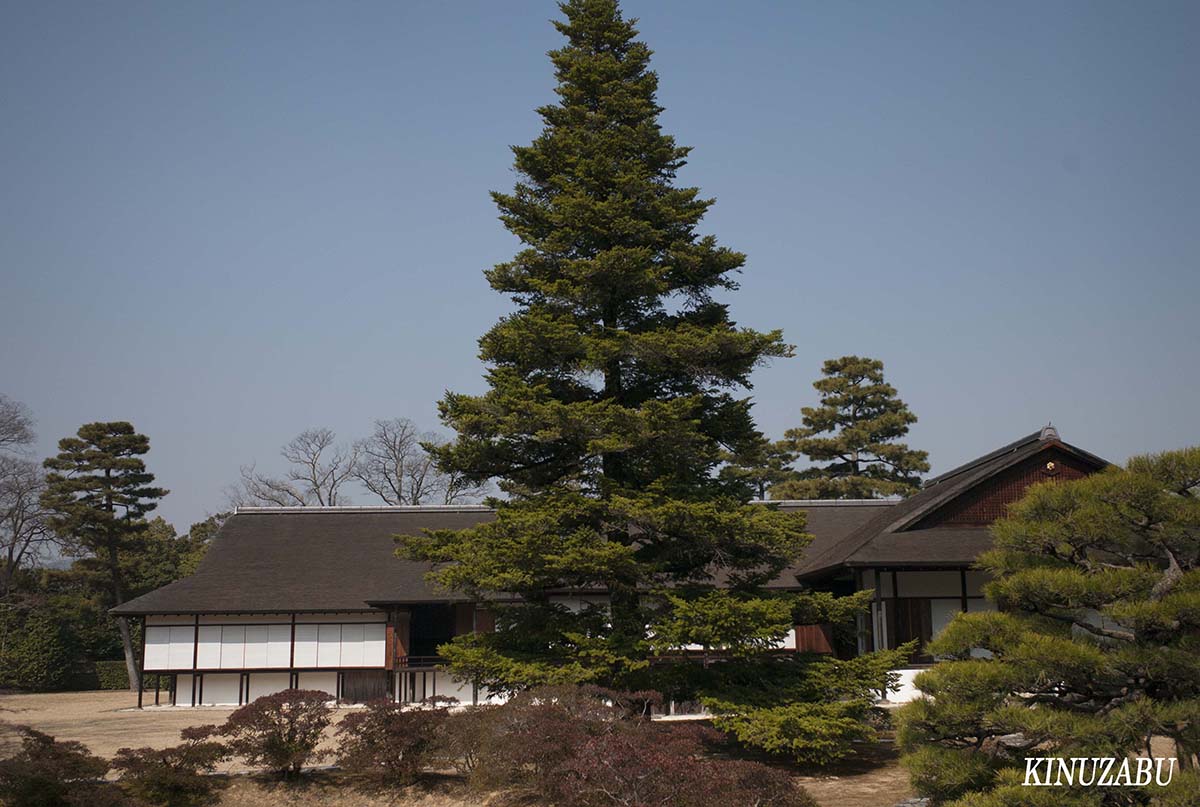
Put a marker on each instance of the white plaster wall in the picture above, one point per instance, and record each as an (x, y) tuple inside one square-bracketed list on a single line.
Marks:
[(323, 681), (306, 645), (208, 654), (169, 648), (942, 611), (267, 683), (220, 689), (233, 647)]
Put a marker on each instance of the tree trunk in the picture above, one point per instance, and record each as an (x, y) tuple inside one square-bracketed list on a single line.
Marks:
[(135, 681)]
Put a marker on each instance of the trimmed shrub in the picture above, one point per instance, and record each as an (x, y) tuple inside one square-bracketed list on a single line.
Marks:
[(113, 675), (37, 652), (280, 732), (388, 744), (50, 773), (173, 777)]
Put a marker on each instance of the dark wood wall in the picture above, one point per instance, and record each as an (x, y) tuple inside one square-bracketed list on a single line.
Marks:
[(989, 501)]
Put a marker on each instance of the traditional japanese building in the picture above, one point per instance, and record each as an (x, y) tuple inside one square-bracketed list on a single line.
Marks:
[(316, 597)]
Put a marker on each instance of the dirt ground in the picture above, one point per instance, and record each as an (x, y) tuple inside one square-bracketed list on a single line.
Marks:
[(106, 721)]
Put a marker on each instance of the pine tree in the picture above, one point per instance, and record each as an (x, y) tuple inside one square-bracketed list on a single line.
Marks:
[(100, 492), (864, 421), (760, 468), (611, 407), (1094, 653)]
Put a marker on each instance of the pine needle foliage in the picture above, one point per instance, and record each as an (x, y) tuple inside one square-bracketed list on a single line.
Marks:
[(1095, 653), (856, 432)]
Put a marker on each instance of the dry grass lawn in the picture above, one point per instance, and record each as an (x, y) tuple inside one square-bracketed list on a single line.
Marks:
[(106, 721)]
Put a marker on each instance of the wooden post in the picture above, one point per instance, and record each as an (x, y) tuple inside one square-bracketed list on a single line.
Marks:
[(403, 637)]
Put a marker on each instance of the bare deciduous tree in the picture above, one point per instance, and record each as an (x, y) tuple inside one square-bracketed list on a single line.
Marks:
[(24, 531), (317, 470), (394, 465), (16, 424)]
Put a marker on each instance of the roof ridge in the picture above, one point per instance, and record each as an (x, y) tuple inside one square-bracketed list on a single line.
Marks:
[(988, 457), (370, 508)]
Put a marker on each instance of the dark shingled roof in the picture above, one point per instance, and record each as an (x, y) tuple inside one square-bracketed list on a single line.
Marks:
[(889, 537), (343, 558), (308, 559)]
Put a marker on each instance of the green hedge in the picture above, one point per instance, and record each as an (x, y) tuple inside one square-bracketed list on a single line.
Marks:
[(112, 675)]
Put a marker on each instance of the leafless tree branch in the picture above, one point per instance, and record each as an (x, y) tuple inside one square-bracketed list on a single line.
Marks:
[(25, 533), (16, 424)]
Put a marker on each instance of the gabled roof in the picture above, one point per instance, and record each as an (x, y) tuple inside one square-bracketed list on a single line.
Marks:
[(879, 540), (308, 559)]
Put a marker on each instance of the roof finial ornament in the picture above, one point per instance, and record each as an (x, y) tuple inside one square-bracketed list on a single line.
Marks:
[(1049, 433)]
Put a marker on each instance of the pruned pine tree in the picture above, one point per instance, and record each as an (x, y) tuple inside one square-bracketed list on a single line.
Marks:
[(856, 431), (98, 492), (612, 397), (761, 467), (1095, 653)]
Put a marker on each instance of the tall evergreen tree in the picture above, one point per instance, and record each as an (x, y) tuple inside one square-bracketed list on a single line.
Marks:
[(99, 492), (611, 406), (761, 467), (856, 431), (1095, 653)]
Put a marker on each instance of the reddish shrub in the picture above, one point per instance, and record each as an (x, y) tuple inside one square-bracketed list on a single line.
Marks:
[(50, 773), (538, 731), (172, 777), (280, 732), (388, 744), (647, 765), (466, 737)]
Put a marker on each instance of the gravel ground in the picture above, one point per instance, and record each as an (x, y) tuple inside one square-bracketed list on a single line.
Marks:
[(106, 721)]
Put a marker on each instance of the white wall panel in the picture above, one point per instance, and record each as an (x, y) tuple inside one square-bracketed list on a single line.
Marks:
[(179, 656), (208, 655), (255, 655), (279, 646), (323, 681), (183, 690), (306, 645), (267, 683), (329, 641), (352, 646), (374, 645), (220, 689), (942, 611), (233, 646), (158, 644)]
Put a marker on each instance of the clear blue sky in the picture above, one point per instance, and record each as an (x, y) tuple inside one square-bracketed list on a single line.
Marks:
[(227, 222)]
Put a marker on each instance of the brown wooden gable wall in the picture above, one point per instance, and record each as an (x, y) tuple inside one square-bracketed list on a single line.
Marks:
[(989, 500)]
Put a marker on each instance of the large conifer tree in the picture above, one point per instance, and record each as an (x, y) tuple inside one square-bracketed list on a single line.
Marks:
[(610, 398), (612, 403)]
